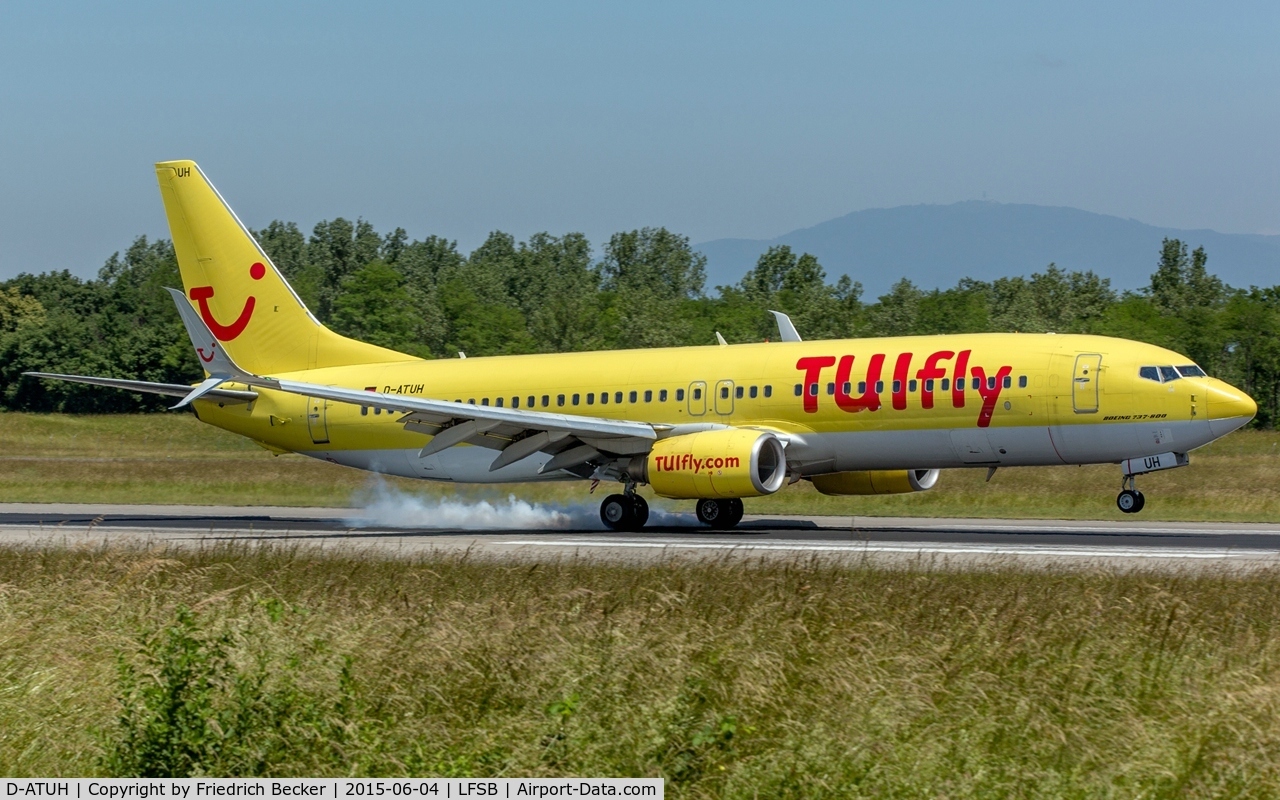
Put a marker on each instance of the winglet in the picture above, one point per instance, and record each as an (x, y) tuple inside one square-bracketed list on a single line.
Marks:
[(212, 356), (786, 331)]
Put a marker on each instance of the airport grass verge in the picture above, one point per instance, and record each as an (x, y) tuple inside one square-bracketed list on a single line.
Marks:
[(173, 458), (728, 678)]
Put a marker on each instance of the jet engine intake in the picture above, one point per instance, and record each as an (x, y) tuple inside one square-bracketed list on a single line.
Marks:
[(881, 481), (727, 463)]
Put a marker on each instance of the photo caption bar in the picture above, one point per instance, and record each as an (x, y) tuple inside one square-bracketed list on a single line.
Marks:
[(331, 788)]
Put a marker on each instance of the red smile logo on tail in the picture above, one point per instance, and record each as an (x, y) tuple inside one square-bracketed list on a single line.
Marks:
[(225, 333)]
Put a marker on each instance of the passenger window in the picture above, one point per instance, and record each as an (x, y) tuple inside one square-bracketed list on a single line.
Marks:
[(768, 390), (515, 402), (498, 402), (648, 395), (1169, 374), (575, 399), (862, 387), (471, 401), (632, 396), (946, 384), (662, 395), (617, 397), (991, 382), (1191, 371), (879, 387), (738, 392), (679, 395), (799, 390), (546, 400), (847, 388), (897, 386), (697, 393), (831, 388), (753, 392), (559, 399), (531, 403), (604, 398), (1022, 381), (484, 402), (377, 412), (1150, 373), (724, 392), (364, 411), (912, 385), (1008, 381), (591, 398), (928, 385), (813, 390)]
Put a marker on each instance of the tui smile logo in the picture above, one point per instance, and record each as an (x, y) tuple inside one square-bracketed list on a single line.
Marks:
[(225, 333)]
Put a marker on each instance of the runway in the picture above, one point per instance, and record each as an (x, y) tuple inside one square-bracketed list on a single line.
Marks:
[(950, 540)]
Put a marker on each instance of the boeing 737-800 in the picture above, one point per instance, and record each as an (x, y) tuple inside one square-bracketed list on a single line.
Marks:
[(713, 424)]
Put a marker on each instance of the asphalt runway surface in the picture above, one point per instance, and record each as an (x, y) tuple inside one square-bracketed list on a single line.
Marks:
[(951, 540)]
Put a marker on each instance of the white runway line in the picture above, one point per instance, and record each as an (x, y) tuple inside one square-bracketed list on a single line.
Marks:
[(913, 548)]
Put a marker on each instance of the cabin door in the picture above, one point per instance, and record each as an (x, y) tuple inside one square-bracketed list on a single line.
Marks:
[(318, 420), (1084, 383)]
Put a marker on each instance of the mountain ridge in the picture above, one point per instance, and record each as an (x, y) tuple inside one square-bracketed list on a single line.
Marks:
[(935, 245)]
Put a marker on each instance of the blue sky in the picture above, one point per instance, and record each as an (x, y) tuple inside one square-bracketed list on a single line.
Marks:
[(715, 120)]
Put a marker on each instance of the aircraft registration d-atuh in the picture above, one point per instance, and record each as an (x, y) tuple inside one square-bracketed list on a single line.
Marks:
[(713, 424)]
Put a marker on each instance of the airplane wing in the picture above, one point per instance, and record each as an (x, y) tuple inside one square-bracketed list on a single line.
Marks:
[(516, 433), (172, 389)]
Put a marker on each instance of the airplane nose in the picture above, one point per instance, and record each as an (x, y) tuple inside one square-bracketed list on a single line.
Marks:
[(1229, 408)]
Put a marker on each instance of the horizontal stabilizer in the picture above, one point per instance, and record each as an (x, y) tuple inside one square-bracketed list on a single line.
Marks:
[(148, 387)]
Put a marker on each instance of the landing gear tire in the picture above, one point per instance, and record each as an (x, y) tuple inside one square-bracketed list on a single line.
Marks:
[(720, 514), (641, 511), (1130, 501), (623, 512)]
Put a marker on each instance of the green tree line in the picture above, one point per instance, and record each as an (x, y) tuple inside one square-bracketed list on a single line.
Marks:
[(645, 288)]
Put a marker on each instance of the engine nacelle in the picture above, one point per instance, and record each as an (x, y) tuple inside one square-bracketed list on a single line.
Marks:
[(731, 462), (882, 481)]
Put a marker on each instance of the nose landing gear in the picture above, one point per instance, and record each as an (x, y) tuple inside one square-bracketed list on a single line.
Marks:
[(1130, 500)]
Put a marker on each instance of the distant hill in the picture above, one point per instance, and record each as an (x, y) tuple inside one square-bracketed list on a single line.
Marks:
[(936, 245)]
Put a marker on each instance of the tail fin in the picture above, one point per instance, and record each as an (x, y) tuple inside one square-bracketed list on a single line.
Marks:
[(242, 298)]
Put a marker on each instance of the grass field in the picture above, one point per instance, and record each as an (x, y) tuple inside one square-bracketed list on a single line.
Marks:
[(729, 679), (173, 458)]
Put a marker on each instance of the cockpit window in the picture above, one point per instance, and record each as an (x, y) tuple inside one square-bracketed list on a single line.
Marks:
[(1150, 373), (1191, 371), (1169, 374)]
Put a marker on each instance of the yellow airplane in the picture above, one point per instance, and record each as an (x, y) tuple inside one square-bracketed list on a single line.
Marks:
[(713, 424)]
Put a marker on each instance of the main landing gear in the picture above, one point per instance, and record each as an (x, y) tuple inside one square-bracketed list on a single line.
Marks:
[(720, 514), (1130, 500), (624, 512)]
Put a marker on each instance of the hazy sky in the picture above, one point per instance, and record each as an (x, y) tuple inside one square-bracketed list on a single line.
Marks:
[(734, 119)]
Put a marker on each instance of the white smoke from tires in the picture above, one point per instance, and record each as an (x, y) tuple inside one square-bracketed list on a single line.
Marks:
[(380, 505)]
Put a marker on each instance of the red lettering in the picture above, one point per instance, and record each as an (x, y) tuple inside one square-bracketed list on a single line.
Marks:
[(813, 367), (931, 372), (958, 379), (989, 393), (869, 398), (899, 388)]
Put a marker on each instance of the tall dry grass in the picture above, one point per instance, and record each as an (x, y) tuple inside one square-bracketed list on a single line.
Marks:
[(729, 679)]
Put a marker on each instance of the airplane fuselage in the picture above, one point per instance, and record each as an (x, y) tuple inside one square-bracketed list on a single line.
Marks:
[(962, 400)]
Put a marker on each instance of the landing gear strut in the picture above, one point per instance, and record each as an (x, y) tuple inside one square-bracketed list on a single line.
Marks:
[(1130, 500), (624, 512), (720, 514)]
